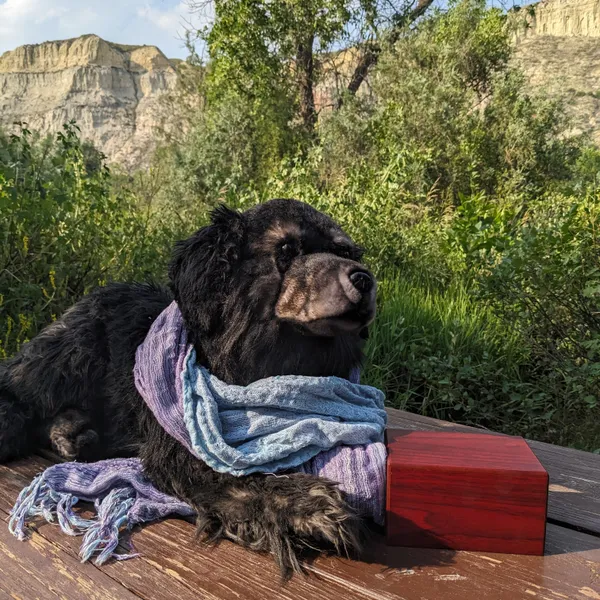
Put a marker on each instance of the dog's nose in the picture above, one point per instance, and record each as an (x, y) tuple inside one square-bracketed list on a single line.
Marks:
[(362, 281)]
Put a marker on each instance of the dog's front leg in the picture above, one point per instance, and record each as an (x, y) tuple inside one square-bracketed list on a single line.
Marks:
[(281, 514)]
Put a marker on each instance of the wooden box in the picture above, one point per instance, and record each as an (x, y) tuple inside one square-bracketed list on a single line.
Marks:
[(465, 491)]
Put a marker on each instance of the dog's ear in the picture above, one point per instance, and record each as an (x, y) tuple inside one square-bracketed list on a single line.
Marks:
[(201, 266)]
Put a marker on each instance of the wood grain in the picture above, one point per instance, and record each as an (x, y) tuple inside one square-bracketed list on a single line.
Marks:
[(575, 485), (465, 491), (134, 575), (461, 450), (570, 571), (574, 498), (40, 568)]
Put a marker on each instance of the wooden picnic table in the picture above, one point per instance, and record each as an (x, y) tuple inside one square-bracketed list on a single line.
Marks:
[(172, 565)]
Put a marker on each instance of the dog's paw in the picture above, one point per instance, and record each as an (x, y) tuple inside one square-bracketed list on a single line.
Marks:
[(314, 510), (70, 435), (285, 515)]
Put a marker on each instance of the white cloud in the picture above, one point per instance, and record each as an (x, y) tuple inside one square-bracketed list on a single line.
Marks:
[(158, 22), (51, 13), (14, 11), (169, 20)]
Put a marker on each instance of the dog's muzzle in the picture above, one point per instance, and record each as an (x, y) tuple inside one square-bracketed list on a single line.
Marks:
[(327, 295)]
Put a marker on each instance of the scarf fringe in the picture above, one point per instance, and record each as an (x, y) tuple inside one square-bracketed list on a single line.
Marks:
[(100, 533)]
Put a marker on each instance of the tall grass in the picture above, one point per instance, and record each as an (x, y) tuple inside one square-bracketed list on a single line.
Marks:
[(444, 354)]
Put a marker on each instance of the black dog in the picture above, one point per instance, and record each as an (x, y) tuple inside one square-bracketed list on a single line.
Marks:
[(276, 290)]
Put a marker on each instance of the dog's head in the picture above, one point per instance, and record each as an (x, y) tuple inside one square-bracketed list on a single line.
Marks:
[(278, 289)]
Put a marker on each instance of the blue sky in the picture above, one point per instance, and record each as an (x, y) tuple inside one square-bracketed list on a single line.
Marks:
[(157, 22)]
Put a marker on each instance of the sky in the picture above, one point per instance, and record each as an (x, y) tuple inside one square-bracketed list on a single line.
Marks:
[(154, 22), (159, 23)]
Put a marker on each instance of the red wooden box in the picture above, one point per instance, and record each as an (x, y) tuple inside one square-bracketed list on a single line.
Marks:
[(465, 491)]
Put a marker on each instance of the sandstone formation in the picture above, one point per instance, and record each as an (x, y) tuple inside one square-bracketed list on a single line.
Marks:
[(564, 18), (558, 48), (112, 91)]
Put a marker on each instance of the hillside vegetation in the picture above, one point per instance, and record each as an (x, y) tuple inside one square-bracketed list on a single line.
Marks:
[(479, 215)]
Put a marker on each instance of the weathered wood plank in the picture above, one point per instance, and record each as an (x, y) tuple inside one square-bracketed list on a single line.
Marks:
[(230, 572), (571, 568), (173, 564), (574, 497), (406, 420), (136, 575), (4, 594), (456, 576), (574, 485), (40, 568)]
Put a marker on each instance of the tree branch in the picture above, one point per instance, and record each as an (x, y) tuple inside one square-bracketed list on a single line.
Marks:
[(372, 50)]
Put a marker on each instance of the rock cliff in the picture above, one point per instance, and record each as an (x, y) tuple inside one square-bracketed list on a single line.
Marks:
[(112, 91), (564, 18), (558, 48)]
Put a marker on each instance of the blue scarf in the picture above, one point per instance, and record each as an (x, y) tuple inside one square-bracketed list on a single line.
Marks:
[(270, 425)]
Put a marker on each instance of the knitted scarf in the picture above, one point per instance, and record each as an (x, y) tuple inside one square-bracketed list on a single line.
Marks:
[(325, 426)]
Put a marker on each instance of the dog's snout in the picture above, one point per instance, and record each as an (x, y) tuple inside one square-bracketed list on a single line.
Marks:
[(327, 294), (362, 281)]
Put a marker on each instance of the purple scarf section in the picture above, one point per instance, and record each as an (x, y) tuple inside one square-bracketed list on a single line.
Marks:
[(122, 495), (122, 498)]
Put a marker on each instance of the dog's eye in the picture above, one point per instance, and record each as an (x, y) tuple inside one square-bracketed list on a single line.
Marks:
[(286, 253), (289, 250)]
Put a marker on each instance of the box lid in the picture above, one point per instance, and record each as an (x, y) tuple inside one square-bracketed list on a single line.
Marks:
[(461, 450)]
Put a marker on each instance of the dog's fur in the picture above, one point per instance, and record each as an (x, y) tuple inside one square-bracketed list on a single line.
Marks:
[(276, 290)]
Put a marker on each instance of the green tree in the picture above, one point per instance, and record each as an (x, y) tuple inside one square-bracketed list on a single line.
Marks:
[(449, 116), (266, 50), (275, 50)]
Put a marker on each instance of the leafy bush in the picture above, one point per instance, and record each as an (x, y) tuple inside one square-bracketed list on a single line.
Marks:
[(450, 356), (449, 117), (228, 147), (443, 354), (64, 231), (537, 265)]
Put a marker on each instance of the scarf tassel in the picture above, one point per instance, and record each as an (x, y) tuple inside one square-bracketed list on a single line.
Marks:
[(100, 533)]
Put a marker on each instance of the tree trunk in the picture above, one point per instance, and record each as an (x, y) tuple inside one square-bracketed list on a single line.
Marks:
[(306, 70), (367, 60), (373, 50)]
